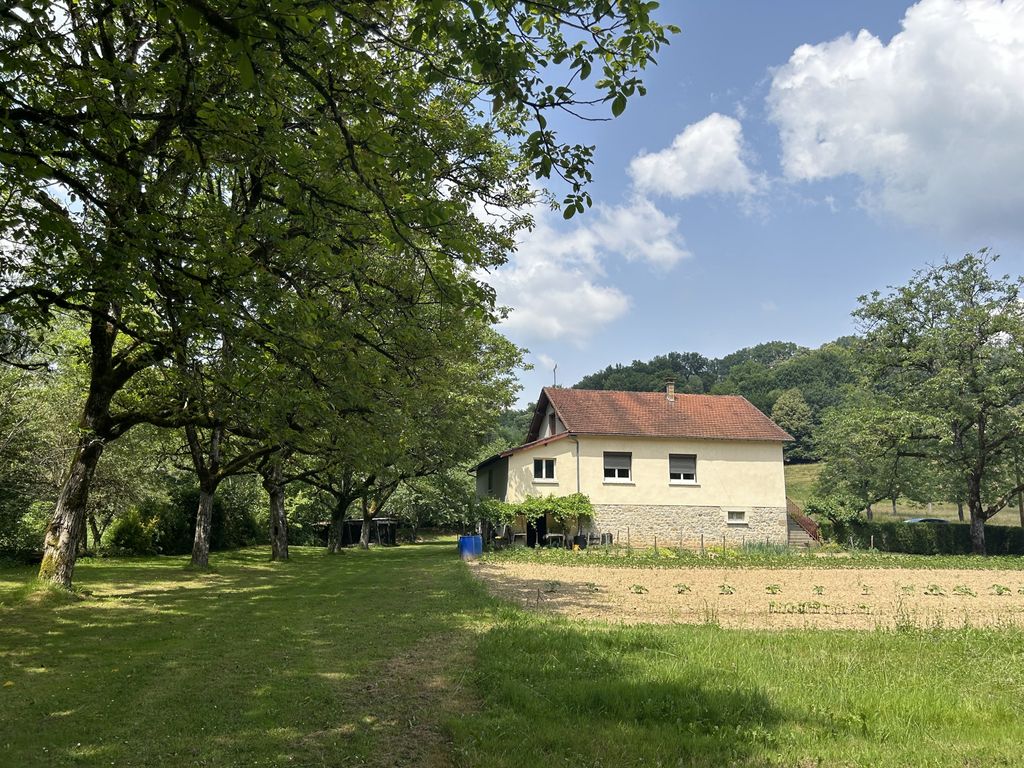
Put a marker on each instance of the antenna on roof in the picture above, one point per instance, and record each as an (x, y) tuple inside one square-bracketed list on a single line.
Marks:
[(554, 376)]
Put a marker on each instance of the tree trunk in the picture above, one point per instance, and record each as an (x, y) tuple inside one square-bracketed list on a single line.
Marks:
[(364, 532), (871, 512), (960, 510), (204, 519), (977, 517), (1020, 501), (273, 483), (336, 532), (977, 533), (894, 506), (96, 533), (65, 529)]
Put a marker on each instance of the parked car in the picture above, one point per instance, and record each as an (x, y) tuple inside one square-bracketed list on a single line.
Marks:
[(926, 520)]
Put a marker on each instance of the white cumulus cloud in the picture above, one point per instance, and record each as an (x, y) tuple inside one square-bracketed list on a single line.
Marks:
[(556, 284), (932, 122), (639, 231), (707, 157)]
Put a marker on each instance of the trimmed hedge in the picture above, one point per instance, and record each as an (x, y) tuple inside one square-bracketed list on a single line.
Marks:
[(923, 538)]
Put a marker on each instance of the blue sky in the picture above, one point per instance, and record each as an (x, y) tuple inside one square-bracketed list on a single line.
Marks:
[(783, 163)]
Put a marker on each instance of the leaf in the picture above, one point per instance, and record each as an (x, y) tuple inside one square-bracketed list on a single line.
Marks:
[(246, 73), (618, 105), (569, 212), (190, 18)]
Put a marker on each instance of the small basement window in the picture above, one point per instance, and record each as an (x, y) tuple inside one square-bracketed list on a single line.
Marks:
[(618, 467), (736, 517), (682, 468), (543, 469)]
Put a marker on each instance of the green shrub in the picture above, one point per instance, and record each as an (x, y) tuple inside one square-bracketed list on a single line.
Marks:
[(922, 538), (130, 535), (174, 522)]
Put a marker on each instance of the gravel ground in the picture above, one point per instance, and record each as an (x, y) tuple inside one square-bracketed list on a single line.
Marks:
[(852, 598)]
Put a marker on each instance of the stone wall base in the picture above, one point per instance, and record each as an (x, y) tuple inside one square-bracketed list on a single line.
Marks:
[(674, 526)]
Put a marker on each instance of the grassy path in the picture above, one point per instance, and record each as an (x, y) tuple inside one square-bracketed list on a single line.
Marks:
[(397, 658)]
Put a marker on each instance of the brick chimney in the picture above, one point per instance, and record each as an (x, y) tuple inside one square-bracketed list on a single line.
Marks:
[(670, 389)]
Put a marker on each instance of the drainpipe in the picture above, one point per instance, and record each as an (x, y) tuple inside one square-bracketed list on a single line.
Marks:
[(577, 441)]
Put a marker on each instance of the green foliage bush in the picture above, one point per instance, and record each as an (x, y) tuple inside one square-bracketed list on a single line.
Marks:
[(564, 510), (131, 535), (22, 536), (835, 507), (174, 522), (922, 538)]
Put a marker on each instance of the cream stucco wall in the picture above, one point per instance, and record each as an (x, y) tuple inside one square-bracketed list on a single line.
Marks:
[(520, 471), (545, 427), (730, 473)]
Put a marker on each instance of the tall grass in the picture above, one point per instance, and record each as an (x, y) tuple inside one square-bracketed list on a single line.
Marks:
[(557, 692)]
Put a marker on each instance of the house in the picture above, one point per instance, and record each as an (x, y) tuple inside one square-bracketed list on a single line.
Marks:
[(655, 465)]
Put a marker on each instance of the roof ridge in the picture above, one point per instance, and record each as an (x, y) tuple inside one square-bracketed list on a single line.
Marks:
[(649, 392)]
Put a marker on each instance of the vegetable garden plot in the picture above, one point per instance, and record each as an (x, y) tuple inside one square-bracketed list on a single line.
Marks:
[(766, 598)]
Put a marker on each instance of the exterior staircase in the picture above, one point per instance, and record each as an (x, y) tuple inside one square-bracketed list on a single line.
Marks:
[(803, 532)]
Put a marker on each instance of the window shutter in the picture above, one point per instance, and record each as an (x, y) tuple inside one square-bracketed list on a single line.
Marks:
[(617, 460), (682, 465)]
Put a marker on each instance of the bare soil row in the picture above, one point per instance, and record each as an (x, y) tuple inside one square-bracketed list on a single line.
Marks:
[(766, 599)]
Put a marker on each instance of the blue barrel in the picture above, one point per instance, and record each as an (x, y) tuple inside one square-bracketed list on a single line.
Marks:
[(471, 547)]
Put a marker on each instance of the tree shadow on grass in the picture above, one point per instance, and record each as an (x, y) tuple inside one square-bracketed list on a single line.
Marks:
[(559, 691), (253, 662)]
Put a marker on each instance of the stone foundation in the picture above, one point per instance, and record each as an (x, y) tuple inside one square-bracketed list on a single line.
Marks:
[(673, 526)]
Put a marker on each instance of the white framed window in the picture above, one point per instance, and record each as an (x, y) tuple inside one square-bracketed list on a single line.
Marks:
[(682, 468), (618, 467), (543, 469), (736, 517)]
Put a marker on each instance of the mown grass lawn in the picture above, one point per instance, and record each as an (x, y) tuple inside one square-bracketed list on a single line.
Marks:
[(397, 657), (325, 660)]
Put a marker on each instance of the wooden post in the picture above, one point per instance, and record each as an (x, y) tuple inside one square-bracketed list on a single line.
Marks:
[(655, 545), (723, 543), (702, 545), (872, 541), (629, 544)]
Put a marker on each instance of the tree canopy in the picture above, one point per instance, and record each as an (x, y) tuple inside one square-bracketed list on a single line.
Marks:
[(298, 184)]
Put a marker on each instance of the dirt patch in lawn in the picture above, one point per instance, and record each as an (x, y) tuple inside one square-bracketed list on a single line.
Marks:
[(852, 598)]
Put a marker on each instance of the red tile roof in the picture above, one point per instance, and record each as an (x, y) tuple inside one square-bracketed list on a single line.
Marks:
[(652, 414)]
